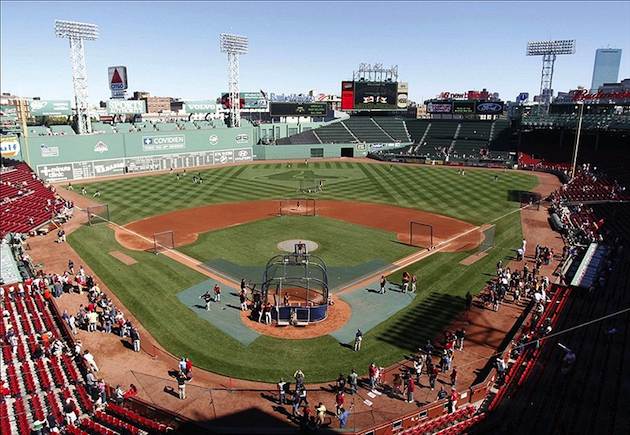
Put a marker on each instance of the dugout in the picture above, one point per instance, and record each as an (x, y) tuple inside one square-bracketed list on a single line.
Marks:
[(303, 279)]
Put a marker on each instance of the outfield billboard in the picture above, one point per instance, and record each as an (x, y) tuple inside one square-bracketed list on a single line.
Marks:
[(126, 107), (9, 146), (440, 107), (463, 107), (200, 106), (489, 108), (375, 95), (249, 100), (298, 109), (117, 80), (347, 95), (50, 107)]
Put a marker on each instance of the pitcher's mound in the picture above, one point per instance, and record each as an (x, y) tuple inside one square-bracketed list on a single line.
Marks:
[(289, 245)]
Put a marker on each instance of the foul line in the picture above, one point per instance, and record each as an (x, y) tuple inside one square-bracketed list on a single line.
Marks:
[(421, 255), (187, 261)]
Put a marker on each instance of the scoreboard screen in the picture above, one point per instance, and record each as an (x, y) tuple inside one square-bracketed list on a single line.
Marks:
[(298, 109), (375, 95)]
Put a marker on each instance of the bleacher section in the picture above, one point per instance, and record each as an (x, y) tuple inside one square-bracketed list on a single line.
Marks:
[(353, 130), (335, 132), (608, 122), (366, 130), (26, 203), (395, 128)]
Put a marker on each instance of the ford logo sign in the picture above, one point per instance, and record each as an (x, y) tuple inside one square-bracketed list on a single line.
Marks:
[(489, 107)]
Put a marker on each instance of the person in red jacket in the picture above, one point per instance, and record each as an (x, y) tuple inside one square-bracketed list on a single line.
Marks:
[(372, 371), (340, 399), (188, 369), (411, 387)]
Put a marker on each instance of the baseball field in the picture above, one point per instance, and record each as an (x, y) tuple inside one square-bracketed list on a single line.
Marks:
[(360, 229)]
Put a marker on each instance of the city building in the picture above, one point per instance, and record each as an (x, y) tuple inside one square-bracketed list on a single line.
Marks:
[(606, 67)]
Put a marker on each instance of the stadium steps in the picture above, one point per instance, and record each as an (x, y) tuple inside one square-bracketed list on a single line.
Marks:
[(384, 132), (456, 135), (350, 131)]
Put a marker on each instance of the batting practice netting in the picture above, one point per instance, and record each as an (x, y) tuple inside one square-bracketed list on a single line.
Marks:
[(297, 286), (311, 186), (97, 214), (297, 207), (163, 241), (421, 235), (531, 200)]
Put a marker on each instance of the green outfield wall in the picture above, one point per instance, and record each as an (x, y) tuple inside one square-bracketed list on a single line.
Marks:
[(74, 157)]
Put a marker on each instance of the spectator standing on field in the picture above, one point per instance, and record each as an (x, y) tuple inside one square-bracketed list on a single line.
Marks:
[(460, 335), (353, 378), (135, 339), (411, 387), (181, 386), (281, 391), (383, 284), (358, 338)]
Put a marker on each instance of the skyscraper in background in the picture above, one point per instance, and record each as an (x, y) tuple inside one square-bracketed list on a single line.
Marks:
[(606, 68)]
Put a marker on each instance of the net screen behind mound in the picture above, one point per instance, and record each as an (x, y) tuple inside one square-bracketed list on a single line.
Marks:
[(421, 235), (297, 207), (163, 241), (97, 214)]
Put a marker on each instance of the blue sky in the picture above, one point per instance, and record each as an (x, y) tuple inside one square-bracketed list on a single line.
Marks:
[(171, 48)]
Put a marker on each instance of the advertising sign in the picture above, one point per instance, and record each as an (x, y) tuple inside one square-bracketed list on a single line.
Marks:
[(50, 107), (126, 107), (375, 95), (249, 100), (117, 80), (522, 97), (489, 108), (222, 157), (298, 109), (439, 107), (347, 95), (163, 142), (253, 100), (9, 146), (48, 151), (8, 113), (243, 155), (463, 107), (200, 106)]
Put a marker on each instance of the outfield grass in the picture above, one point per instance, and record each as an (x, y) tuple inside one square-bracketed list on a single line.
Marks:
[(475, 197), (149, 287)]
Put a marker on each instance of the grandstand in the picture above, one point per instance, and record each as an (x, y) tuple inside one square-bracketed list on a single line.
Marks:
[(26, 203), (356, 129), (43, 378)]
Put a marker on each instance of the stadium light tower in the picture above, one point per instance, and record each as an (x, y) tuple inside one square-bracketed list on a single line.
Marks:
[(234, 46), (549, 50), (76, 33)]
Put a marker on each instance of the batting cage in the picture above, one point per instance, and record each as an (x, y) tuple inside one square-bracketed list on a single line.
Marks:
[(297, 286), (297, 207), (163, 241), (97, 214), (311, 186), (421, 235), (531, 200)]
